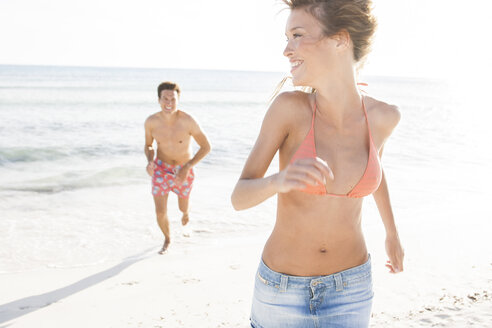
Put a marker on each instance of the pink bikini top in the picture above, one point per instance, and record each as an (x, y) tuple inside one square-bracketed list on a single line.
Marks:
[(371, 178)]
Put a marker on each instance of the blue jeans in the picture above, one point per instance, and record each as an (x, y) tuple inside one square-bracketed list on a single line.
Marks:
[(342, 299)]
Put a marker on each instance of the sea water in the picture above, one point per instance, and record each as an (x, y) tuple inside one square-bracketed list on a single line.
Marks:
[(73, 186)]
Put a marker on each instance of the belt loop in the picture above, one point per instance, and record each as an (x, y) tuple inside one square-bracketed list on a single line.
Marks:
[(338, 282), (283, 283)]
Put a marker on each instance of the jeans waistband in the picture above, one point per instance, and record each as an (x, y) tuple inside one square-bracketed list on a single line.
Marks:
[(335, 279)]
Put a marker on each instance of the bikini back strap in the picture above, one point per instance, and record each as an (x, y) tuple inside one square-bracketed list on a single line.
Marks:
[(367, 118)]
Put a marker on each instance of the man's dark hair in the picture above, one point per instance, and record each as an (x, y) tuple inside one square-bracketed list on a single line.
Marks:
[(168, 86)]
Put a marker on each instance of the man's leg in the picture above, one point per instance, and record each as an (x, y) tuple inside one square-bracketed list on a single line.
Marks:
[(184, 206), (162, 219)]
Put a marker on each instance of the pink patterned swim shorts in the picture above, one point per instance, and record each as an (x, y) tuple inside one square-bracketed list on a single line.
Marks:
[(164, 180)]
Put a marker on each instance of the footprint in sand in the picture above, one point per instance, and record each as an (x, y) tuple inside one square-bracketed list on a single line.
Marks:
[(186, 231), (191, 280), (130, 283)]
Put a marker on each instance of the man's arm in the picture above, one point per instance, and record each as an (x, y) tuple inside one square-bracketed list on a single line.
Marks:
[(149, 150), (202, 141)]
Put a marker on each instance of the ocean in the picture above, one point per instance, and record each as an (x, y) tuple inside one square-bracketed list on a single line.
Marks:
[(73, 186)]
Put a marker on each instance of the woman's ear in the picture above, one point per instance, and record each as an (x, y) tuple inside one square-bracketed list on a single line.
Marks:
[(342, 39)]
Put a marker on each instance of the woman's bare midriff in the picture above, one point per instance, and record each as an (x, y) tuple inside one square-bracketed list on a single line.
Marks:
[(315, 235)]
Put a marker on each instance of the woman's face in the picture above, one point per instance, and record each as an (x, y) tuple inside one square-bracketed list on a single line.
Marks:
[(309, 51)]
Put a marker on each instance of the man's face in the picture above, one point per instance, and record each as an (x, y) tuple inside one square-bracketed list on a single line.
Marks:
[(168, 101)]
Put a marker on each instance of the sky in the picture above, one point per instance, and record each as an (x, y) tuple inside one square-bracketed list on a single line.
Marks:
[(420, 38)]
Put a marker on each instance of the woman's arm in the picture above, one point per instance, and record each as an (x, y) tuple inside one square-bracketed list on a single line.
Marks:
[(303, 172), (381, 196), (394, 249), (252, 187)]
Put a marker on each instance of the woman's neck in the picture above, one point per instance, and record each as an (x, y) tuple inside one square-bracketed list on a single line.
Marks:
[(338, 99)]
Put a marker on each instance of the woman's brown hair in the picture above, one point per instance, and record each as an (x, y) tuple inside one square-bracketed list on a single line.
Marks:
[(353, 16)]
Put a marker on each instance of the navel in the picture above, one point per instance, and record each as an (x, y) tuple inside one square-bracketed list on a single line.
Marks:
[(322, 250)]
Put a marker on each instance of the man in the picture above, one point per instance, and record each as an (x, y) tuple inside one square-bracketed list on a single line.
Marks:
[(172, 167)]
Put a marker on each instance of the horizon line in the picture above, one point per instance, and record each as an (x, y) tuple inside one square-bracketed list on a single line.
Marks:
[(207, 69)]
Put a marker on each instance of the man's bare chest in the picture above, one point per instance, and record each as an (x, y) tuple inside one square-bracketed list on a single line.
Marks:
[(171, 135)]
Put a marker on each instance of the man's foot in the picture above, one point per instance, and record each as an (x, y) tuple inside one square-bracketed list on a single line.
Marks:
[(164, 247), (185, 219)]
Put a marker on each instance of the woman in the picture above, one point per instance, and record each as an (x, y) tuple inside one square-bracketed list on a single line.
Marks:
[(315, 269)]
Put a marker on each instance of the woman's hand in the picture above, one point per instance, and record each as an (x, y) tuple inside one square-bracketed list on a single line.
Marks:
[(395, 254), (303, 172)]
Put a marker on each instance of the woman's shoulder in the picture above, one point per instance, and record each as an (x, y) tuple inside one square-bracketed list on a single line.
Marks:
[(287, 112), (383, 115), (292, 104)]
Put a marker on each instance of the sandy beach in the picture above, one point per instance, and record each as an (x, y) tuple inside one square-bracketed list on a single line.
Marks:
[(211, 286), (194, 286)]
